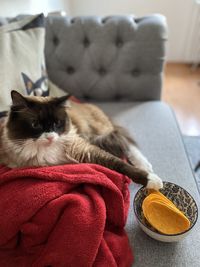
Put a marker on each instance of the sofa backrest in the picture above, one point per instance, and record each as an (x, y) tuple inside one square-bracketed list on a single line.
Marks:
[(107, 58)]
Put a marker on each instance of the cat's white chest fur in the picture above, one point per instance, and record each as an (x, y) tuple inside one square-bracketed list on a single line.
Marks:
[(49, 149), (45, 154), (35, 155)]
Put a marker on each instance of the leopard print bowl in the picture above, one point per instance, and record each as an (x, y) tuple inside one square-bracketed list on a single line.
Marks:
[(183, 201)]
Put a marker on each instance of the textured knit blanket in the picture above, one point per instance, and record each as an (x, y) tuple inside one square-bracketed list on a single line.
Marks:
[(64, 216)]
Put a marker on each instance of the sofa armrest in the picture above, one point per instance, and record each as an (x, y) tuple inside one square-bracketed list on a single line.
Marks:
[(107, 58)]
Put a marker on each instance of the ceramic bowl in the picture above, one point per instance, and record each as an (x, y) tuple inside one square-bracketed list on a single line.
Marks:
[(183, 201)]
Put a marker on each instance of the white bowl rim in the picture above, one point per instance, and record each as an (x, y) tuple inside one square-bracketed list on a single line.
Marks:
[(159, 232)]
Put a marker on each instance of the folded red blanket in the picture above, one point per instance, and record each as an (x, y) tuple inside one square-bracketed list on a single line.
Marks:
[(70, 216)]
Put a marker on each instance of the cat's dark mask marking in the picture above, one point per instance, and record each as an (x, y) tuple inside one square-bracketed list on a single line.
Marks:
[(31, 116), (35, 87)]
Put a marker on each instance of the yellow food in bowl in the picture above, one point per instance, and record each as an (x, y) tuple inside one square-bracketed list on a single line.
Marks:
[(163, 215)]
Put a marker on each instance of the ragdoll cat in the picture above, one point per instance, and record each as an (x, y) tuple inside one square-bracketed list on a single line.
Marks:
[(45, 131)]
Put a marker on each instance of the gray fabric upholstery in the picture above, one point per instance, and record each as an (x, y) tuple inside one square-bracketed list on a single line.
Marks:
[(117, 57), (154, 127)]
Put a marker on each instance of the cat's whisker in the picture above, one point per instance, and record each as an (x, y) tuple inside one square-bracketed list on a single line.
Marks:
[(16, 140), (19, 140), (5, 151), (14, 143)]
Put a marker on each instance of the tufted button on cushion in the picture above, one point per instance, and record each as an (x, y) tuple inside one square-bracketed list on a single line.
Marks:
[(117, 97), (119, 42), (86, 42), (70, 70), (86, 96), (135, 72), (72, 20), (55, 40), (102, 71)]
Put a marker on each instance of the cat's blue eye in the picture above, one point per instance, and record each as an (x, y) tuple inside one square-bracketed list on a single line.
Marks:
[(35, 124), (58, 124)]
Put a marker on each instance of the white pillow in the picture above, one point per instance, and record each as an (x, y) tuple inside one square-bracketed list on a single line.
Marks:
[(22, 61)]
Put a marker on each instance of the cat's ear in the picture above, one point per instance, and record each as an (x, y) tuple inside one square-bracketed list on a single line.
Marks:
[(18, 99), (62, 101)]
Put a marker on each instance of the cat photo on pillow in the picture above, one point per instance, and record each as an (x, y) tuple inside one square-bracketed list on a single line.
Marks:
[(37, 88)]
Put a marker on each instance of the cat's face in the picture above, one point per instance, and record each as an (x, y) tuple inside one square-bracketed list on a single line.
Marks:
[(42, 119)]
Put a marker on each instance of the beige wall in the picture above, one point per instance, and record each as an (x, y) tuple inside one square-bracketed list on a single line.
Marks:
[(180, 15), (9, 8)]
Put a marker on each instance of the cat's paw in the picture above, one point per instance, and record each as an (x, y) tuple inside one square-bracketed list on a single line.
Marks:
[(154, 182)]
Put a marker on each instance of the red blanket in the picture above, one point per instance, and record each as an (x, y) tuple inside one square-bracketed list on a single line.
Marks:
[(70, 216)]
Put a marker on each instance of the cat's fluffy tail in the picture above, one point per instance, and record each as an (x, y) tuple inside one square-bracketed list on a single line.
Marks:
[(117, 142)]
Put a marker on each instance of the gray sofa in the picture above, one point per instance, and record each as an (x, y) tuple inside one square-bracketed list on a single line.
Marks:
[(117, 62)]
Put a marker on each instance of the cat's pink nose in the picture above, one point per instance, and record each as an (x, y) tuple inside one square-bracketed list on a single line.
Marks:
[(50, 138)]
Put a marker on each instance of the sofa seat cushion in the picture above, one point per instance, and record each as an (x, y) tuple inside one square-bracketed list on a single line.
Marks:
[(155, 129)]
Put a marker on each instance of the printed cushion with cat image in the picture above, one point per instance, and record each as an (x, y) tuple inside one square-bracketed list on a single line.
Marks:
[(22, 64)]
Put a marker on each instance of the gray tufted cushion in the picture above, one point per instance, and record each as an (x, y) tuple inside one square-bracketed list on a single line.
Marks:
[(111, 58)]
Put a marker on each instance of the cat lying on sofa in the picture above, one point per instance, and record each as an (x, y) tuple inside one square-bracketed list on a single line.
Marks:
[(46, 131)]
